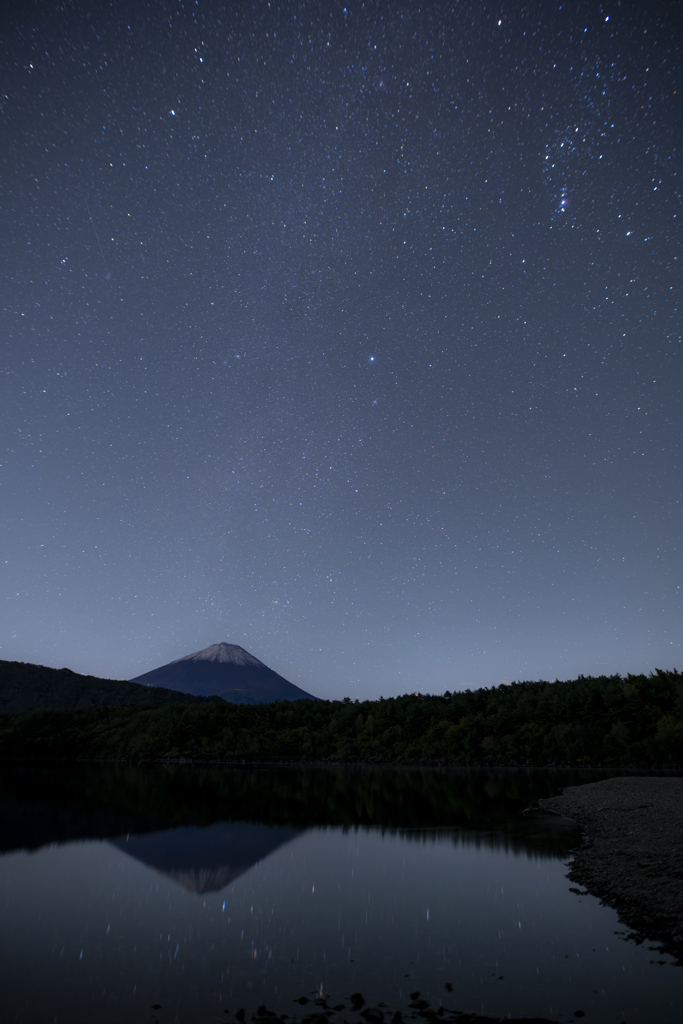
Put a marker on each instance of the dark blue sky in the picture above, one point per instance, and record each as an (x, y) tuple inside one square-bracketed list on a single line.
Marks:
[(350, 334)]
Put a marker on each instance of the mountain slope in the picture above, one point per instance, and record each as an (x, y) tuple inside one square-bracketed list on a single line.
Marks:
[(228, 671), (25, 687)]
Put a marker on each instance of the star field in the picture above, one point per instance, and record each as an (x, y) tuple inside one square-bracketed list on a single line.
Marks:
[(349, 334)]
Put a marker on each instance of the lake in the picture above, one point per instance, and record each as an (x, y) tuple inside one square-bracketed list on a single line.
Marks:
[(184, 893)]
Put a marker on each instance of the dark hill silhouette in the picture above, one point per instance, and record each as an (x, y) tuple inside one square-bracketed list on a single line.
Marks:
[(227, 671), (25, 687)]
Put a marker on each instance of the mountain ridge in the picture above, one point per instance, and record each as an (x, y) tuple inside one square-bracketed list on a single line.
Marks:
[(26, 687)]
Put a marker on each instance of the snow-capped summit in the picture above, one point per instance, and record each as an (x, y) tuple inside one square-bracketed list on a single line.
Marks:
[(224, 654), (224, 670)]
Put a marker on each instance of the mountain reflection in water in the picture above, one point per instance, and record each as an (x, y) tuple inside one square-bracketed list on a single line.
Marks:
[(56, 803), (206, 859), (194, 890), (204, 826)]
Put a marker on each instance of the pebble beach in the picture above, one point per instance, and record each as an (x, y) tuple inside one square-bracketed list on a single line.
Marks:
[(632, 852)]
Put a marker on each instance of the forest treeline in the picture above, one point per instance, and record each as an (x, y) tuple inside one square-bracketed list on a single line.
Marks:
[(615, 721)]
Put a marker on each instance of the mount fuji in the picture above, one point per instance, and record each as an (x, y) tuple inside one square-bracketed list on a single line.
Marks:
[(227, 671)]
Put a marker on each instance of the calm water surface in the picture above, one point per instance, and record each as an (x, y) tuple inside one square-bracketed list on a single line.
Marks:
[(210, 889)]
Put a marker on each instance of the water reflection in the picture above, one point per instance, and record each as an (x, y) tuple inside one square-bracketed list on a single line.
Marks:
[(197, 891), (42, 804), (205, 827), (207, 859)]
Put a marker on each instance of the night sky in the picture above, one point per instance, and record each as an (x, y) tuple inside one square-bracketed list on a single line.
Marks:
[(351, 335)]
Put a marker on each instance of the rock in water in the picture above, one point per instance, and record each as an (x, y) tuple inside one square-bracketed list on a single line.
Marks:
[(227, 671)]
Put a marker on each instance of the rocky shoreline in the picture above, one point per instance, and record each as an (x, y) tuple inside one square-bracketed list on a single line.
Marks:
[(354, 1010), (632, 853)]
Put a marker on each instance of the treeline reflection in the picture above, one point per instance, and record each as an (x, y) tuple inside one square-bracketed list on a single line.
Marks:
[(204, 826)]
